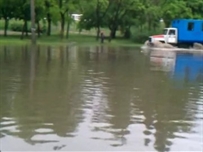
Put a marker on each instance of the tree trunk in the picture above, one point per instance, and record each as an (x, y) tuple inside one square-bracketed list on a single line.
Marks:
[(23, 30), (68, 29), (113, 33), (6, 26), (127, 33), (26, 28), (49, 24), (38, 29), (98, 19), (98, 33), (62, 25)]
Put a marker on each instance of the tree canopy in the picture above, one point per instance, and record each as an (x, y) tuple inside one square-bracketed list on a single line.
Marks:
[(112, 14)]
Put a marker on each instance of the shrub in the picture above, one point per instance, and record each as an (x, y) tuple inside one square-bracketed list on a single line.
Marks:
[(1, 24), (139, 36), (17, 27)]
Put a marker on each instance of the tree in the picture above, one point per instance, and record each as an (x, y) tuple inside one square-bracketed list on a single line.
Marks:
[(152, 13), (132, 18), (72, 7), (7, 9), (94, 14), (40, 14), (175, 9), (52, 14), (63, 10), (48, 6), (196, 7), (113, 14), (119, 11), (102, 7), (23, 13)]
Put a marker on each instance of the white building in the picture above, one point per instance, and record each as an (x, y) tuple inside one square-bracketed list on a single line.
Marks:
[(76, 17)]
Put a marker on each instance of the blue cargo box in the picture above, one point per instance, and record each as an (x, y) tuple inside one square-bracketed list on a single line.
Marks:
[(189, 30)]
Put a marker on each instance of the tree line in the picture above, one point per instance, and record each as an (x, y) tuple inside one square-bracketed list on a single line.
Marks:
[(112, 14)]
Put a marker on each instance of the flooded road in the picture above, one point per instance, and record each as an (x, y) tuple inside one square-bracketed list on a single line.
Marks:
[(100, 99)]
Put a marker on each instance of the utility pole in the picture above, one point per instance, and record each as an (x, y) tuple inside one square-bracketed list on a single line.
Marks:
[(33, 29)]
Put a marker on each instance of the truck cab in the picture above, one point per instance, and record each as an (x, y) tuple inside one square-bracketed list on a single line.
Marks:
[(170, 35)]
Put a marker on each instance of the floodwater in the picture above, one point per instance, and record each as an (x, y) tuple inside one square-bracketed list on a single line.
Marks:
[(100, 99)]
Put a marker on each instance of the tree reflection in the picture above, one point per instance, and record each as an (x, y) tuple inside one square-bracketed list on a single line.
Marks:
[(115, 85), (49, 103), (109, 96), (162, 105), (165, 107), (32, 68)]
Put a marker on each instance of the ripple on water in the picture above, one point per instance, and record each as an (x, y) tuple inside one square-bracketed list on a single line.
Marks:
[(8, 125), (109, 109), (44, 130)]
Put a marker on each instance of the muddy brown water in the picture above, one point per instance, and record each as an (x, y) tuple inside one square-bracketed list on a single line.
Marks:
[(100, 99)]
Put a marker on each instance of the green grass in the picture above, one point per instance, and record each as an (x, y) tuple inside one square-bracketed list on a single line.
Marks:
[(79, 39), (84, 38)]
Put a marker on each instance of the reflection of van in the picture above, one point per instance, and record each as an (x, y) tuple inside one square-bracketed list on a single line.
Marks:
[(188, 66), (180, 65)]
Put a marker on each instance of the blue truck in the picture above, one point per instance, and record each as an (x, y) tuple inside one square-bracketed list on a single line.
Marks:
[(182, 31)]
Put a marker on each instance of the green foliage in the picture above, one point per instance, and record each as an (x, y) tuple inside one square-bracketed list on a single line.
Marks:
[(141, 35), (176, 9), (18, 27), (93, 12), (7, 8), (116, 15), (196, 7), (23, 10)]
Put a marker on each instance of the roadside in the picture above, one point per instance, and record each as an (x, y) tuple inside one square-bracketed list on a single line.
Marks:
[(13, 38)]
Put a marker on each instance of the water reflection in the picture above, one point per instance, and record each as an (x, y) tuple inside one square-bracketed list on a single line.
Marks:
[(189, 67), (37, 108), (182, 66), (112, 98)]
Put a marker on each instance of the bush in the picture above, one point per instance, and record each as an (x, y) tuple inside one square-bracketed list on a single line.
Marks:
[(17, 27), (1, 24), (139, 36)]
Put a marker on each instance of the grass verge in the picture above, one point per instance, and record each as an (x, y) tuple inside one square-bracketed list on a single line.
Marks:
[(78, 39)]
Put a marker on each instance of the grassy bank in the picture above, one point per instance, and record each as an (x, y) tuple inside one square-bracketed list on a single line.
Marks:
[(79, 39), (86, 37)]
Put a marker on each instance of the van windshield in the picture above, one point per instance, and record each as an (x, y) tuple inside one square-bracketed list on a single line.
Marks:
[(165, 31)]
